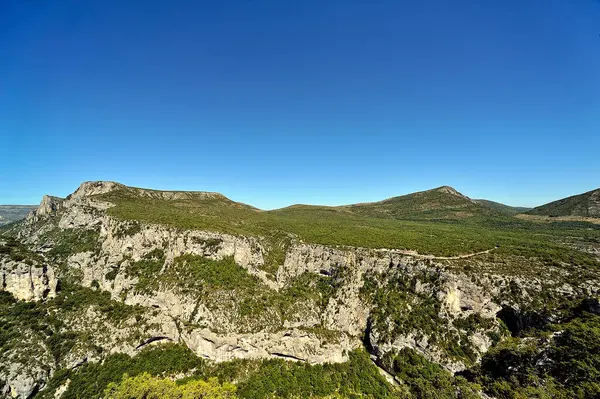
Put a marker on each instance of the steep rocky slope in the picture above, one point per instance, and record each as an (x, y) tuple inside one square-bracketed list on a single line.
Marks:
[(224, 294)]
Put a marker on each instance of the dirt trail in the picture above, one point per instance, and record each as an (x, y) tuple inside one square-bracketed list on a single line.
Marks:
[(421, 256)]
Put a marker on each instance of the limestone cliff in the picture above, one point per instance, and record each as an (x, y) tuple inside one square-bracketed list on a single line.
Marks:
[(26, 279), (321, 303)]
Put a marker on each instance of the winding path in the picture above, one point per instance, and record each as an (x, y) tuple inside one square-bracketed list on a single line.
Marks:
[(421, 256)]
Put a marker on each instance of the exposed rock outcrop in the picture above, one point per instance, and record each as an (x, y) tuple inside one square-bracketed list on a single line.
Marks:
[(48, 206), (291, 344), (320, 327), (26, 281), (25, 369)]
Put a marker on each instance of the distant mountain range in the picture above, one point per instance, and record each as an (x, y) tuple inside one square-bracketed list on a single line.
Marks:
[(438, 203), (12, 213)]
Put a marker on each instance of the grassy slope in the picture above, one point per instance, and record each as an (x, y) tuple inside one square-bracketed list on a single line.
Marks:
[(584, 205), (435, 222), (505, 209), (439, 203)]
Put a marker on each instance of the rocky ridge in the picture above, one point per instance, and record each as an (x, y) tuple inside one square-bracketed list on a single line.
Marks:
[(215, 326)]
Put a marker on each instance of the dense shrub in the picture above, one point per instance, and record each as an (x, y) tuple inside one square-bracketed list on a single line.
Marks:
[(561, 362), (428, 380), (144, 386)]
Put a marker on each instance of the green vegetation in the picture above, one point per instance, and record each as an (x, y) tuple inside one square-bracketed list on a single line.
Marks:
[(71, 241), (439, 203), (278, 243), (91, 380), (255, 379), (280, 379), (560, 361), (112, 274), (305, 294), (73, 297), (315, 287), (210, 244), (43, 320), (226, 286), (400, 308), (146, 269), (582, 205), (190, 274), (144, 386), (17, 251), (428, 380), (222, 274), (435, 222), (18, 317), (505, 209), (128, 229)]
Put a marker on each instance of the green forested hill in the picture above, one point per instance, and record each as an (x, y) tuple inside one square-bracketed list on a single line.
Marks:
[(506, 209), (441, 222), (582, 205)]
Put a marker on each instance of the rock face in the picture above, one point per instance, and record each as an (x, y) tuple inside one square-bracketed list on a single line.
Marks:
[(345, 312), (310, 325), (28, 282), (19, 378), (91, 188), (48, 206), (290, 344), (22, 382)]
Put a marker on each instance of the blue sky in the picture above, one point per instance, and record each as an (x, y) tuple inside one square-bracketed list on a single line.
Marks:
[(280, 102)]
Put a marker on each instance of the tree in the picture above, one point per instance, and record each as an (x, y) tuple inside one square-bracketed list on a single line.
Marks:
[(145, 386)]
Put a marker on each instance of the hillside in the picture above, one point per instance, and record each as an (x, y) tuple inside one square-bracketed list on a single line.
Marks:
[(439, 203), (582, 205), (12, 213), (505, 209), (383, 224), (439, 222), (415, 296)]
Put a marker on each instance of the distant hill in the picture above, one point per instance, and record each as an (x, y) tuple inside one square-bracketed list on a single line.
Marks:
[(438, 203), (420, 221), (506, 209), (12, 213), (582, 205)]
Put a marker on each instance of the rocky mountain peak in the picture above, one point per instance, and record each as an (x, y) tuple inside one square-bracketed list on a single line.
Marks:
[(89, 188), (449, 190), (48, 205)]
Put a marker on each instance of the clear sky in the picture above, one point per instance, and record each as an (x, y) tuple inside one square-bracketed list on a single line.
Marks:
[(277, 102)]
